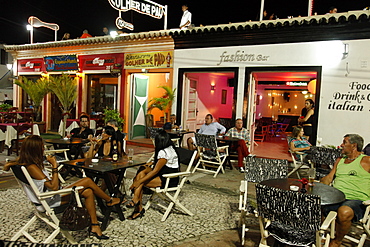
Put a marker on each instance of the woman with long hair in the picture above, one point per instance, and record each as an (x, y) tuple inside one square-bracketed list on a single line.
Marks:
[(165, 161), (298, 142), (307, 117), (31, 156), (104, 146)]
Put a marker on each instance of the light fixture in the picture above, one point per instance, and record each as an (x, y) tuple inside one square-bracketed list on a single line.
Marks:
[(9, 66), (29, 27), (346, 51), (212, 88), (304, 92), (144, 70), (312, 86), (113, 34)]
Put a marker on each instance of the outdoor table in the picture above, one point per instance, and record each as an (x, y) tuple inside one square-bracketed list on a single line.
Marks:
[(101, 170), (229, 141), (328, 194), (8, 132), (61, 143), (178, 134)]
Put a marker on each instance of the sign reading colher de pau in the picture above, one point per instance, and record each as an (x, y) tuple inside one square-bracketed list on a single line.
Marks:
[(147, 60)]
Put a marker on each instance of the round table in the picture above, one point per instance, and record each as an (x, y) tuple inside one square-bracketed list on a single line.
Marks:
[(328, 194), (59, 143)]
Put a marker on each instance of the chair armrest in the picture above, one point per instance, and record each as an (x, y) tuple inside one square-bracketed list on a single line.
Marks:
[(57, 192), (366, 202), (331, 216), (56, 150), (176, 174), (223, 147)]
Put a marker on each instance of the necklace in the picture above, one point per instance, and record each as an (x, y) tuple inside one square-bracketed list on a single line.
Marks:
[(353, 158)]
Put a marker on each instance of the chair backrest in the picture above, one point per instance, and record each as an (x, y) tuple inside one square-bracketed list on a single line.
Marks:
[(322, 156), (259, 169), (206, 141), (186, 157), (18, 173), (295, 209), (154, 131)]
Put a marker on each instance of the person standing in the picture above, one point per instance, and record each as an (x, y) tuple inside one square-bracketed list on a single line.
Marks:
[(105, 31), (85, 34), (307, 118), (242, 146), (186, 18), (351, 175)]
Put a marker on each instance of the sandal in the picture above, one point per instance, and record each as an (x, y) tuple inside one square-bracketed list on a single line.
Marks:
[(131, 204), (109, 203), (137, 214)]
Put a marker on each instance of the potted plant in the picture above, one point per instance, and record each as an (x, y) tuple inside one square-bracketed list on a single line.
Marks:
[(65, 88), (163, 103), (113, 115), (5, 107), (37, 91)]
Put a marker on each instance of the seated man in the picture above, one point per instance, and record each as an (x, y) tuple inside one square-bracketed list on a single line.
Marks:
[(242, 146), (351, 173), (171, 124), (208, 128), (83, 131)]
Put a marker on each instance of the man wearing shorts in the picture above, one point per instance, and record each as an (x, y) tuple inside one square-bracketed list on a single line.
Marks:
[(352, 177)]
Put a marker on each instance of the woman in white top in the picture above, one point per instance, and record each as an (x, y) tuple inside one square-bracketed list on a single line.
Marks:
[(31, 156), (166, 161)]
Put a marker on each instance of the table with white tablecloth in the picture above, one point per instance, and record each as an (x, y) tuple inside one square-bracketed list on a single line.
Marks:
[(11, 133)]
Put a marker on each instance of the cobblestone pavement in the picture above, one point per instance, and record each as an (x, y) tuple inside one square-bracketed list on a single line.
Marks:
[(214, 202)]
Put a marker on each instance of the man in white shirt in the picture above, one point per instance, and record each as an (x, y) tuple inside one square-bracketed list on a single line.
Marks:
[(186, 18), (208, 128)]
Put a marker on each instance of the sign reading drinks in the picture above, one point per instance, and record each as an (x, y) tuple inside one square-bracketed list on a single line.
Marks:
[(61, 63), (147, 60), (145, 7)]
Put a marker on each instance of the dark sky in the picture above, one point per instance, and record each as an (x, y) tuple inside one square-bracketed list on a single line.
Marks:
[(74, 16)]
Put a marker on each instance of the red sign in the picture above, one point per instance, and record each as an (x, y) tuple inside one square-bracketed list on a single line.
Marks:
[(31, 65), (100, 61)]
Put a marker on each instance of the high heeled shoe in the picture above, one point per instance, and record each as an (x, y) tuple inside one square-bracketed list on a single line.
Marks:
[(101, 237), (137, 214), (132, 204), (111, 200)]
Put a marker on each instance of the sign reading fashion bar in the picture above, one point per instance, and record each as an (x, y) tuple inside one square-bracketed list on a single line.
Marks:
[(145, 7), (161, 59), (61, 63)]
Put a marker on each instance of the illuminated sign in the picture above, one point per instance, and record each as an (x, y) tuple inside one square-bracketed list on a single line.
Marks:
[(145, 7), (31, 65), (99, 61), (296, 83), (61, 63), (162, 59)]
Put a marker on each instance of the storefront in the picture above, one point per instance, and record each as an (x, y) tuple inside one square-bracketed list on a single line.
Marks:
[(103, 80), (265, 67)]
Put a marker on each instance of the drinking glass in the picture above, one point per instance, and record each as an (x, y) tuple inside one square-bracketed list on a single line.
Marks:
[(130, 154), (311, 175)]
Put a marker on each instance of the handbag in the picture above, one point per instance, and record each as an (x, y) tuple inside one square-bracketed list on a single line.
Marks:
[(75, 217)]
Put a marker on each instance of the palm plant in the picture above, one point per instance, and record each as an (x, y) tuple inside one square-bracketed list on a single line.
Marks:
[(36, 90), (65, 88), (163, 103)]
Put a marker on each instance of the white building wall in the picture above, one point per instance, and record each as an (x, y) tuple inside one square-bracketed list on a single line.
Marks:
[(345, 81)]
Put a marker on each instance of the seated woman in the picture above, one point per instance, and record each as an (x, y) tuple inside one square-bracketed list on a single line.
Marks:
[(104, 146), (31, 156), (299, 143), (165, 161)]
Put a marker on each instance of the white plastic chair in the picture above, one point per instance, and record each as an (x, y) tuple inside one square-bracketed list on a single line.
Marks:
[(44, 213), (364, 225), (60, 159)]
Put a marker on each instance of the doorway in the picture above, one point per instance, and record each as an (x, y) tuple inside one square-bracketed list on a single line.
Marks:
[(280, 93)]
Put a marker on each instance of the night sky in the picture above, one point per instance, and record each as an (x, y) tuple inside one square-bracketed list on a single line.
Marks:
[(74, 16)]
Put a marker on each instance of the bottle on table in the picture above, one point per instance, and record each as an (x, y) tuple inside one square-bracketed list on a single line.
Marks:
[(115, 153)]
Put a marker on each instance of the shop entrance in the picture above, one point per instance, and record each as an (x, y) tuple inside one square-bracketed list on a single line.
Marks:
[(102, 93), (277, 95)]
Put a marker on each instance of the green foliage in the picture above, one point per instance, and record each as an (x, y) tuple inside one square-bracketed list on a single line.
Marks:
[(113, 114), (65, 88), (36, 90), (163, 103), (5, 107)]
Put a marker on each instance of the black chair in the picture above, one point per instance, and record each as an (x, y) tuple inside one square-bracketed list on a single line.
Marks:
[(323, 159)]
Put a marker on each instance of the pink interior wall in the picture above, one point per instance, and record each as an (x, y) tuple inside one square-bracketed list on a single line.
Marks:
[(210, 102)]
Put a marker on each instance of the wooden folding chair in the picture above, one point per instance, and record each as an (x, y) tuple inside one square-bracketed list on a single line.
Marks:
[(171, 194), (210, 155), (257, 170), (292, 218), (42, 210)]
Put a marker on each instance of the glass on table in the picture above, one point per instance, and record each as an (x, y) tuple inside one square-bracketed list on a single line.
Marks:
[(130, 154), (311, 175)]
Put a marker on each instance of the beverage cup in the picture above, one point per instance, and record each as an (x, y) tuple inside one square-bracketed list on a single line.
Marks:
[(311, 175), (130, 154)]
